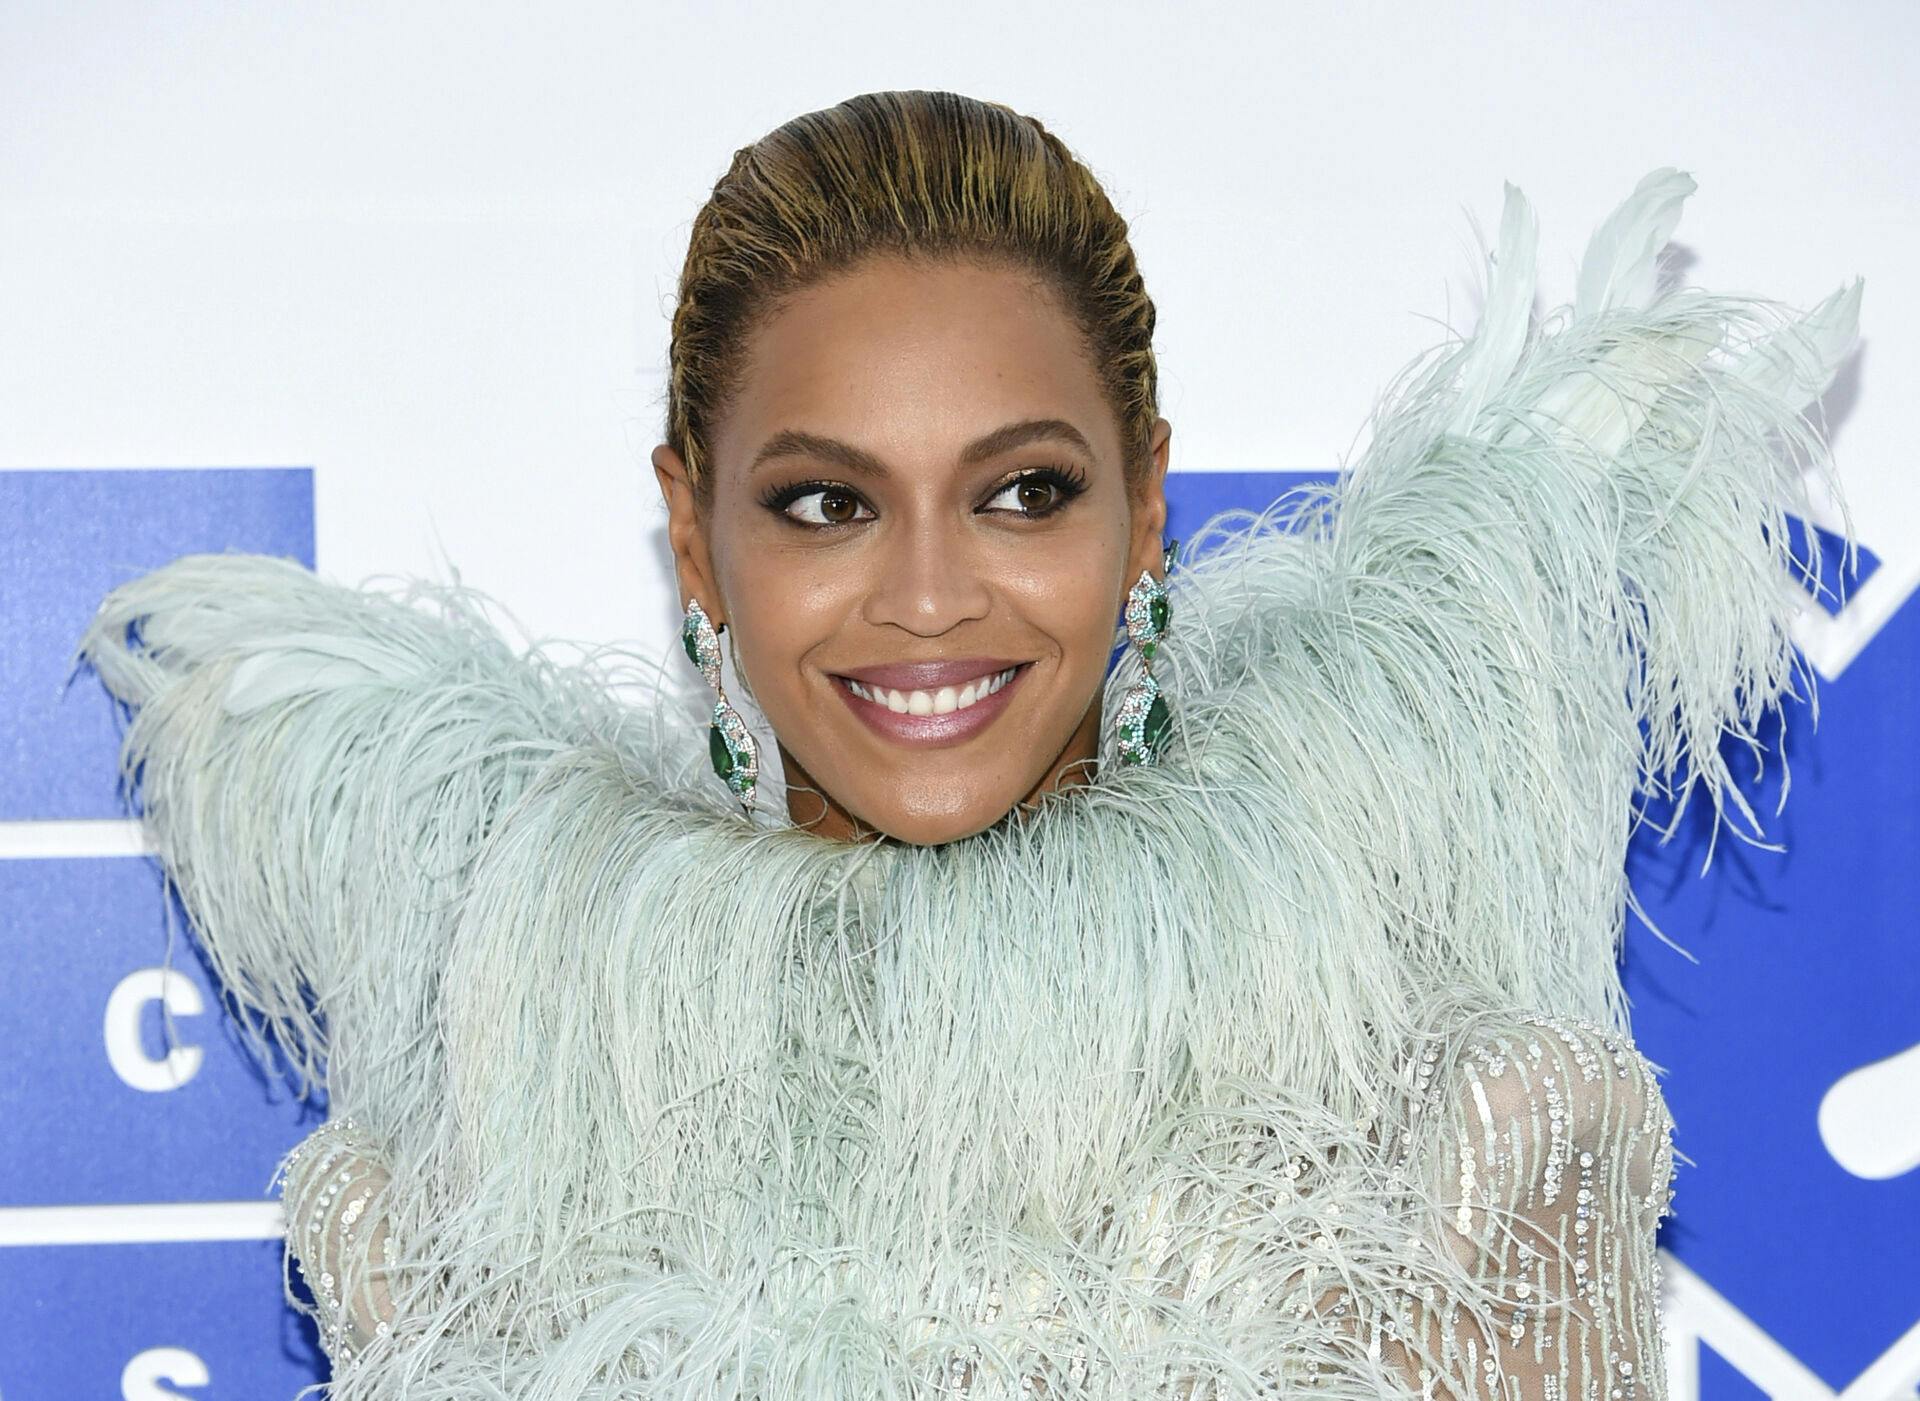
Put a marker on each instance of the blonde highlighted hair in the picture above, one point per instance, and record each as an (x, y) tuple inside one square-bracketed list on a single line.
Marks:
[(914, 174)]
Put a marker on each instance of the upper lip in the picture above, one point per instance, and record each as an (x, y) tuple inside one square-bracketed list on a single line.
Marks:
[(928, 676)]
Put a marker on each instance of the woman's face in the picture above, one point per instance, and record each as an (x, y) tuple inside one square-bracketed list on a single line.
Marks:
[(920, 533)]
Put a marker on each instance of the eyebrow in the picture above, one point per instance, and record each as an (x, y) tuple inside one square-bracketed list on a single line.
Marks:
[(790, 442)]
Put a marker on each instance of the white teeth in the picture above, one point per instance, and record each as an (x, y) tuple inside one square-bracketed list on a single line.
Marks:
[(944, 701)]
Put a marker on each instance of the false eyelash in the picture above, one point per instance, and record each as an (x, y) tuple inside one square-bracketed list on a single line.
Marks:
[(1068, 479), (778, 498), (1069, 475), (1070, 482)]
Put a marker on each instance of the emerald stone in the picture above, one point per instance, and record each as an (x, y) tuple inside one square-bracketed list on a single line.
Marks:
[(690, 639), (1159, 724), (721, 753), (1160, 613)]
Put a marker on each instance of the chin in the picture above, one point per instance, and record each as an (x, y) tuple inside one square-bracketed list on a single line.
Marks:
[(936, 812)]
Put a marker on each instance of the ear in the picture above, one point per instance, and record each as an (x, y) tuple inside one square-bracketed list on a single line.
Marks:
[(692, 563), (1150, 507)]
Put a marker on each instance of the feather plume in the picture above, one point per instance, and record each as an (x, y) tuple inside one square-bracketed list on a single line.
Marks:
[(680, 1105)]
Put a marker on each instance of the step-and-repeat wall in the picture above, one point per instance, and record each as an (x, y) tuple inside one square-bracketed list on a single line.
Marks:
[(200, 352)]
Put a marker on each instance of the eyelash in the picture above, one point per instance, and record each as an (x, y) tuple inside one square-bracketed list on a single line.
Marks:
[(1068, 481)]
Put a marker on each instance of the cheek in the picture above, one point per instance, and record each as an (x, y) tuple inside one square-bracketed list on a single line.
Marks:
[(1069, 591), (782, 608), (778, 620)]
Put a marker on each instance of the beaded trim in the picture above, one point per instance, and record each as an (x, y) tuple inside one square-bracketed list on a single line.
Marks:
[(317, 1196)]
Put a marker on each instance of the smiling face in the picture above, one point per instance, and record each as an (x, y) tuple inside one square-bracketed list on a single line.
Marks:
[(920, 528)]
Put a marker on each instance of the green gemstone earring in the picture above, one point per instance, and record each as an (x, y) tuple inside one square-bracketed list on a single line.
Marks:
[(1144, 721), (735, 756)]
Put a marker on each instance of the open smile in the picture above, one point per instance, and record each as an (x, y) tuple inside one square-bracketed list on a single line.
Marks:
[(931, 704)]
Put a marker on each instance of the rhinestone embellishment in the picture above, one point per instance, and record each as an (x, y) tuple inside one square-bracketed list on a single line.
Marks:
[(730, 748), (1144, 722)]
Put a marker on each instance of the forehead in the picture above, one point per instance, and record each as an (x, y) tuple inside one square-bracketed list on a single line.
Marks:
[(913, 360)]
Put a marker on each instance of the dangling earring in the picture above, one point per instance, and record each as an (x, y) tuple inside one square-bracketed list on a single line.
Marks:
[(735, 756), (1144, 721)]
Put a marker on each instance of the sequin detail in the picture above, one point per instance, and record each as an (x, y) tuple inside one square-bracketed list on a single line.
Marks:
[(330, 1191)]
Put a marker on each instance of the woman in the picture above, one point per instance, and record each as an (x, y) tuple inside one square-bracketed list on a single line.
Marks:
[(1247, 1019)]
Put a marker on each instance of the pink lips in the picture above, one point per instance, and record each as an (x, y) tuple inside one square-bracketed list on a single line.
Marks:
[(930, 731), (930, 676)]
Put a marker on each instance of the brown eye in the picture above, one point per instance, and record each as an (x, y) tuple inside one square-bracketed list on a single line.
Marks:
[(1034, 495), (827, 506)]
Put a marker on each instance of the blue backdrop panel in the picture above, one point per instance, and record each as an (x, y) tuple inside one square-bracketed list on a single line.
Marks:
[(71, 536), (81, 1010), (93, 1112), (1807, 971), (144, 1322), (1720, 1381), (1194, 496)]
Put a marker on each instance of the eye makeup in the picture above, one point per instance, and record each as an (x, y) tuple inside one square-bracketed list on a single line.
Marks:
[(1066, 481), (782, 498)]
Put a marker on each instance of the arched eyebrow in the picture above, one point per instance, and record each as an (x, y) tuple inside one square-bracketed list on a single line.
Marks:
[(791, 442)]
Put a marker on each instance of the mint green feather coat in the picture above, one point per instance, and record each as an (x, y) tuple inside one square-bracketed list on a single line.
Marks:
[(1280, 1063)]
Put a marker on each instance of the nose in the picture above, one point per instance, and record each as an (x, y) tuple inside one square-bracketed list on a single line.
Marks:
[(931, 580)]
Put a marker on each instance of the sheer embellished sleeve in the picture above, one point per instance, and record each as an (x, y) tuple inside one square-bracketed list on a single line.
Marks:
[(337, 1230), (1556, 1176)]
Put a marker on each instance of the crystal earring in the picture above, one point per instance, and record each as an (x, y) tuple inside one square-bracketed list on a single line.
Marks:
[(1144, 721), (735, 756)]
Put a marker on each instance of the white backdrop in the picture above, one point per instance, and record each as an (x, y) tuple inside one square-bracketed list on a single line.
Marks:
[(429, 252), (431, 249)]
